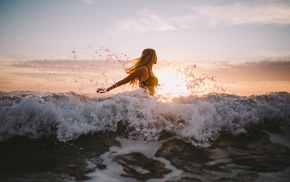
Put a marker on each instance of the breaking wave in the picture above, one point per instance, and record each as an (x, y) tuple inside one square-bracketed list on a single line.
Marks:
[(199, 120)]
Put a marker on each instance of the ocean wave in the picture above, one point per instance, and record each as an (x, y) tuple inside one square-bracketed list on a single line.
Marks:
[(195, 119)]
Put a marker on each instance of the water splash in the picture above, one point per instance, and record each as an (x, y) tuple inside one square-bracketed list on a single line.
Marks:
[(197, 120), (203, 84)]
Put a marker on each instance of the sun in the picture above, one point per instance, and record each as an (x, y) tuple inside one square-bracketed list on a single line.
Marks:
[(172, 82)]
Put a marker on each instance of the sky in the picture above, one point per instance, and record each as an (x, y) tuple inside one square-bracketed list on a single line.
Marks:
[(188, 30)]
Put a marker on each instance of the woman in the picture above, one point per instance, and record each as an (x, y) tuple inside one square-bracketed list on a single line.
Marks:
[(141, 71)]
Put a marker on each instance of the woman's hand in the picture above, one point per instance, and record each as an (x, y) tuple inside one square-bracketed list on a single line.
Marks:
[(101, 90)]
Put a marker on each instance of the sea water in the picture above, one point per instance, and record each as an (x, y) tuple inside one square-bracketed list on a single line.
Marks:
[(132, 136), (196, 128)]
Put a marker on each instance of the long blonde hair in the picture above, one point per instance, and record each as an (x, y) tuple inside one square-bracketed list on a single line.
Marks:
[(148, 58)]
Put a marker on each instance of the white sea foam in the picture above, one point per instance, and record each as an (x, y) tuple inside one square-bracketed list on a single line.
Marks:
[(199, 120)]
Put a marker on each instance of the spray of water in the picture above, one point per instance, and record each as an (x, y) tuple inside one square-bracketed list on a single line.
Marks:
[(106, 67)]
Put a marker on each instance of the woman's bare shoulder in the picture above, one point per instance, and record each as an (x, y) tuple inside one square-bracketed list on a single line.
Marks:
[(142, 73), (142, 70)]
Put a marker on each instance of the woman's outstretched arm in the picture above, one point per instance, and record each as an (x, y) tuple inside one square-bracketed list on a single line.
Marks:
[(137, 74)]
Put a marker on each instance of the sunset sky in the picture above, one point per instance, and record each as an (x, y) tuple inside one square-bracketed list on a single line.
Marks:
[(244, 44), (177, 29)]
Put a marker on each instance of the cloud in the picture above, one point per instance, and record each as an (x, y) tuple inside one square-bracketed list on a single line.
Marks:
[(267, 54), (145, 22), (4, 59), (89, 1), (239, 13), (235, 13)]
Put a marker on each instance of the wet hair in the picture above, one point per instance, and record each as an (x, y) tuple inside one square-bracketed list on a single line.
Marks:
[(148, 58)]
